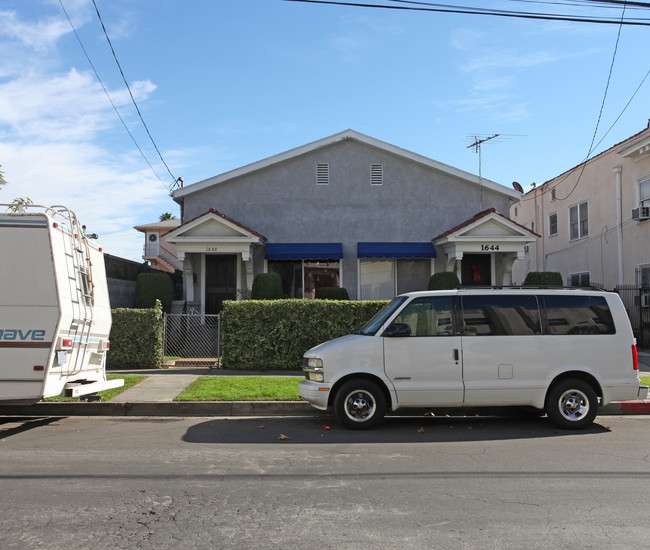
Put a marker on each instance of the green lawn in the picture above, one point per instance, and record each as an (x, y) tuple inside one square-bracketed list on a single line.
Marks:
[(129, 380), (242, 388), (645, 380)]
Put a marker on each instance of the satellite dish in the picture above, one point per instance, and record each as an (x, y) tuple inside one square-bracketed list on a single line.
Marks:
[(517, 187)]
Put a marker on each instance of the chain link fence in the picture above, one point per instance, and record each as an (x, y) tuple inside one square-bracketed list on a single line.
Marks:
[(192, 339)]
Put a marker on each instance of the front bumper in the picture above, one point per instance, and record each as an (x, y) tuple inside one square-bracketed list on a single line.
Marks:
[(315, 393)]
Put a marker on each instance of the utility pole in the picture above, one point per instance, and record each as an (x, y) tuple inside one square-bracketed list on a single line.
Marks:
[(477, 148)]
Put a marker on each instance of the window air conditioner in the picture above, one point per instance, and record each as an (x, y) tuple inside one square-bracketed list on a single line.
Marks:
[(641, 213)]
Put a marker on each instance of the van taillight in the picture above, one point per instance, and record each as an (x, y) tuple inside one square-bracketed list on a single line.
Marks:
[(635, 358)]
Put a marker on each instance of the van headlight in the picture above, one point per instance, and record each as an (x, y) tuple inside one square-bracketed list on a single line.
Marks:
[(313, 367)]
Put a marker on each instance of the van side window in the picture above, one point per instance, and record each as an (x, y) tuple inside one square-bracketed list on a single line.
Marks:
[(428, 316), (578, 315), (503, 315)]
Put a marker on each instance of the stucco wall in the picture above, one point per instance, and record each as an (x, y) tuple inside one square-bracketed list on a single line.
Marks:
[(284, 203)]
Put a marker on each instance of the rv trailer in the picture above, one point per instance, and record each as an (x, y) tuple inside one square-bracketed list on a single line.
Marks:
[(55, 315)]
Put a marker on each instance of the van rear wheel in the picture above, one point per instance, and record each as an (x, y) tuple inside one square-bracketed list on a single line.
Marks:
[(360, 404), (572, 404)]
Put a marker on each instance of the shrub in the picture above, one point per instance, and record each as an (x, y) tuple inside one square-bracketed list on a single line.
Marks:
[(136, 338), (445, 280), (150, 287), (331, 293), (267, 286), (543, 278), (274, 335)]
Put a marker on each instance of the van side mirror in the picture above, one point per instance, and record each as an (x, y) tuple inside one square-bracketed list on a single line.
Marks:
[(398, 329)]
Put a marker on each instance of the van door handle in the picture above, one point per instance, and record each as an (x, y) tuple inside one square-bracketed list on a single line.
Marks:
[(456, 355)]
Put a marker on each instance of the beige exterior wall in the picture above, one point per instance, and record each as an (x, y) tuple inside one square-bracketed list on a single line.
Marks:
[(615, 243)]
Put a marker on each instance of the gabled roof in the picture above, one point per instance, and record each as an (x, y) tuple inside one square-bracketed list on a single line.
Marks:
[(191, 228), (336, 138), (165, 224), (482, 217)]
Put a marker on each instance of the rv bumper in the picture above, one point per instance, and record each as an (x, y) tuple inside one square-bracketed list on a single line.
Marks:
[(77, 389), (643, 392)]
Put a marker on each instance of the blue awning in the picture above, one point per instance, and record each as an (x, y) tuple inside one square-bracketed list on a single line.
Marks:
[(304, 251), (396, 250)]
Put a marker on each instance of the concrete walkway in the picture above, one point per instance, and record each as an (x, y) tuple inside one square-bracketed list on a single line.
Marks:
[(156, 389)]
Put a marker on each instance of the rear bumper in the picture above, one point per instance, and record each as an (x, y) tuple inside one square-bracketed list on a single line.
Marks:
[(643, 393), (77, 389)]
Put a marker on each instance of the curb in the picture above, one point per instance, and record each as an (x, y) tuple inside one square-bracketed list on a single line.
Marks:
[(256, 408)]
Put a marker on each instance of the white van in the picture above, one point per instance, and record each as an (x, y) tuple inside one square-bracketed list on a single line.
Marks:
[(560, 351)]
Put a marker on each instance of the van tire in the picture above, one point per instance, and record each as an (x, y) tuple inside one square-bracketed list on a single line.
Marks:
[(572, 404), (360, 404)]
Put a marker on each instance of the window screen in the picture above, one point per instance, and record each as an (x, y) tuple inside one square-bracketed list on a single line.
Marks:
[(503, 315)]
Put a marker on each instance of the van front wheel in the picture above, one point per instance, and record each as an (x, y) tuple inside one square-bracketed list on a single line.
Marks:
[(572, 404), (360, 404)]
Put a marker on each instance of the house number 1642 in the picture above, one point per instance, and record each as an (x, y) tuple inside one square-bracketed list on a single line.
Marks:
[(490, 247)]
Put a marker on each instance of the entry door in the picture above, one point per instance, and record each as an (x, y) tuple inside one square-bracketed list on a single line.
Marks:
[(425, 366), (476, 270), (220, 281)]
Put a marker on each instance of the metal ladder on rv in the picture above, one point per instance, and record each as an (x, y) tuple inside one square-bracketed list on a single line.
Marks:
[(82, 287)]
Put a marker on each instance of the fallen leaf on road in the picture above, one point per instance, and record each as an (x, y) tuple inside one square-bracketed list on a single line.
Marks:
[(283, 437), (421, 431), (260, 427)]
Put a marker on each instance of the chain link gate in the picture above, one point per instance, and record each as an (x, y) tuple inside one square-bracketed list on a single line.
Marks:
[(192, 340)]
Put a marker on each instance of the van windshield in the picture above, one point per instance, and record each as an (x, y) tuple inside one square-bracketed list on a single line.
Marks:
[(372, 326)]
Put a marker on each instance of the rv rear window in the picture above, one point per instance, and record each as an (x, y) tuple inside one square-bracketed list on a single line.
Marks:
[(578, 315)]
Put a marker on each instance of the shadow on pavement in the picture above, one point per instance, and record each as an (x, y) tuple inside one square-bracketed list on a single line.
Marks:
[(394, 430), (13, 426)]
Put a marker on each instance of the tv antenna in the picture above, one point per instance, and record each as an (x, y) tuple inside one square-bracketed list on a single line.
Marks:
[(478, 141)]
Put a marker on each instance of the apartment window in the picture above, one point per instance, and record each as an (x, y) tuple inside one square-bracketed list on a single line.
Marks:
[(322, 174), (516, 211), (553, 195), (383, 279), (579, 279), (644, 192), (579, 221), (376, 174), (301, 278), (552, 224)]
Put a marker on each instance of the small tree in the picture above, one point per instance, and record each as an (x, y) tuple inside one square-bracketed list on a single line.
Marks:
[(543, 278), (18, 205), (267, 286), (166, 216), (445, 280), (3, 181)]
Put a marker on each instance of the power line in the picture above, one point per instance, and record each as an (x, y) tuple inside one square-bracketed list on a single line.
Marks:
[(469, 10), (107, 94), (174, 178)]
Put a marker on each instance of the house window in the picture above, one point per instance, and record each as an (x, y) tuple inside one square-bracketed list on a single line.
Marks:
[(376, 174), (579, 221), (322, 174), (516, 211), (579, 279), (301, 278), (552, 224), (553, 195), (386, 278)]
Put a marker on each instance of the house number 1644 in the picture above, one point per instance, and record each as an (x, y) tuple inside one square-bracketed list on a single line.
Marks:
[(490, 247)]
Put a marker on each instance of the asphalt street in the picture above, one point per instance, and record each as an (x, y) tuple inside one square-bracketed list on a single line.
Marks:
[(185, 483)]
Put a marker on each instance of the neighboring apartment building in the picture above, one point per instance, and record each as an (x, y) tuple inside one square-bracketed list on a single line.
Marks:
[(594, 220), (347, 210), (160, 254)]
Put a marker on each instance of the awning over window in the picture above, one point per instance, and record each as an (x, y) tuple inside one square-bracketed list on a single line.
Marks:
[(304, 251), (396, 250)]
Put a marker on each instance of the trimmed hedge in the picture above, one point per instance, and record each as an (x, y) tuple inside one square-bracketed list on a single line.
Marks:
[(136, 339), (445, 280), (331, 293), (150, 287), (267, 286), (543, 278), (274, 335)]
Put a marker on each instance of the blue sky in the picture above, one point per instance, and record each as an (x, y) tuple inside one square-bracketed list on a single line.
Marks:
[(223, 83)]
